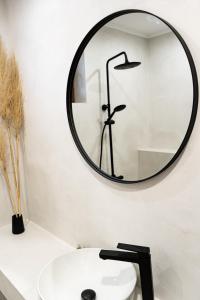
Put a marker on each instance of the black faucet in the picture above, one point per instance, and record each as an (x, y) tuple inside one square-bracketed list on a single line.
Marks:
[(139, 255)]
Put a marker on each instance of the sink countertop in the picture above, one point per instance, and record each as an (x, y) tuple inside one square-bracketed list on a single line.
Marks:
[(22, 258)]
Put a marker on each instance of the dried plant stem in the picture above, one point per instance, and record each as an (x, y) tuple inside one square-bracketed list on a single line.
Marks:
[(15, 170), (5, 174), (18, 173), (12, 157)]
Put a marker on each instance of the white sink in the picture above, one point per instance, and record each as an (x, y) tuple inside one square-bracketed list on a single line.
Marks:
[(67, 276)]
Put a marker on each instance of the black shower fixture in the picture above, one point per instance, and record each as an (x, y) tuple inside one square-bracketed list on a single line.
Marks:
[(124, 66), (127, 65)]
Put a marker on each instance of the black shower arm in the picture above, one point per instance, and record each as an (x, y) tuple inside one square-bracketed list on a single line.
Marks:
[(107, 75), (115, 56)]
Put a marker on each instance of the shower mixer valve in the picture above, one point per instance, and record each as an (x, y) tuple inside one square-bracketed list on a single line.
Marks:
[(104, 107)]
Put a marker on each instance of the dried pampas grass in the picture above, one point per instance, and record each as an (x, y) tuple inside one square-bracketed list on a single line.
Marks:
[(3, 159), (3, 59), (11, 112), (12, 102)]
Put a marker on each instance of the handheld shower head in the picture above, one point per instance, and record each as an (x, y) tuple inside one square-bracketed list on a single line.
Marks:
[(119, 107), (116, 109)]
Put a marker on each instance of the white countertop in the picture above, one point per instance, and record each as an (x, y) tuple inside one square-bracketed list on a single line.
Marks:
[(23, 256)]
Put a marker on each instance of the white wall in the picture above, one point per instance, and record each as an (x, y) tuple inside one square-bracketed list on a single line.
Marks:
[(66, 196), (172, 92)]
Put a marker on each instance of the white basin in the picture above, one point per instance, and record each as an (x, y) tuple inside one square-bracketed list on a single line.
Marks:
[(68, 275)]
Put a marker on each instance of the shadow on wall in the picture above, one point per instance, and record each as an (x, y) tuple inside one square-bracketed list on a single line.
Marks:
[(96, 77), (2, 296)]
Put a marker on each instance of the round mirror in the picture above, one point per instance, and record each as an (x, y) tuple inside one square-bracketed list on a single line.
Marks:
[(132, 96)]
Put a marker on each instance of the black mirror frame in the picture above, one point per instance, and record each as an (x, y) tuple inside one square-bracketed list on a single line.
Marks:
[(73, 68)]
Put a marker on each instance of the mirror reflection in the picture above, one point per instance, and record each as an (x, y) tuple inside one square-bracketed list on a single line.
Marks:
[(132, 96)]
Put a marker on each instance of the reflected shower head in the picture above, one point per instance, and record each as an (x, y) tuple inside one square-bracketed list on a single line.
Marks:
[(127, 65), (119, 107)]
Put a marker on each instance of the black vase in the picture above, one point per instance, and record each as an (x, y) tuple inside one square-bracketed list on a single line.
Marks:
[(17, 224)]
